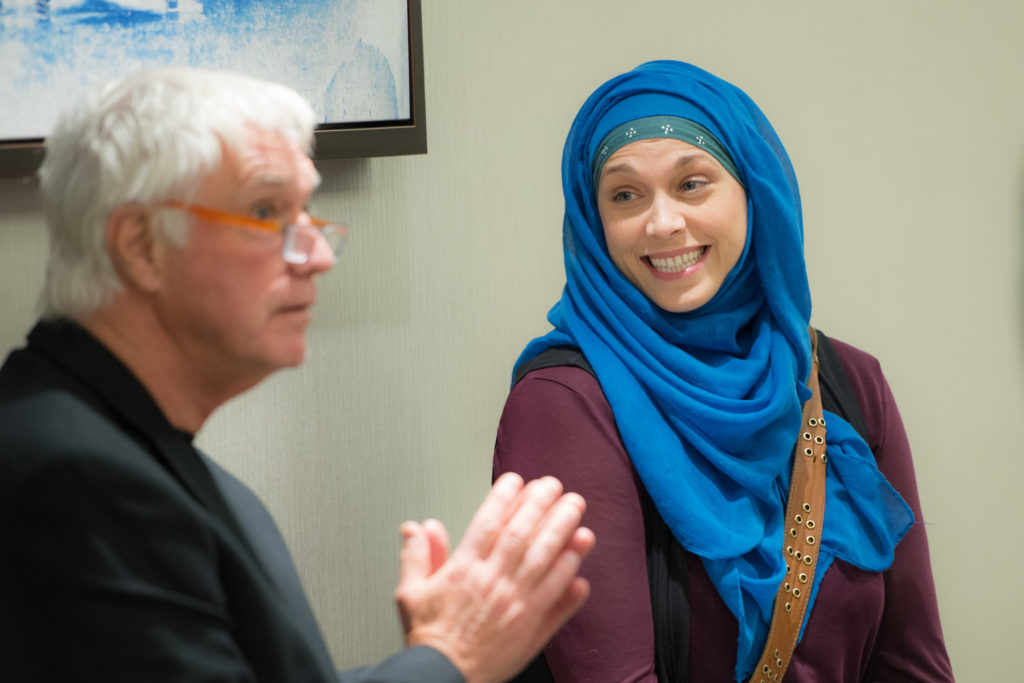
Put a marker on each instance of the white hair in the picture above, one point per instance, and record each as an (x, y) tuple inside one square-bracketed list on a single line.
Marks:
[(151, 136)]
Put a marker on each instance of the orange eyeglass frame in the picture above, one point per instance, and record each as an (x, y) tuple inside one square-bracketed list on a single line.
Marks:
[(218, 216)]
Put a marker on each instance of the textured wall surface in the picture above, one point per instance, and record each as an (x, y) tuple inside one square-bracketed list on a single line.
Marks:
[(903, 122)]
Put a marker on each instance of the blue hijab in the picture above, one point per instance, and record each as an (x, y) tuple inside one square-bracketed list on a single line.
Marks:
[(708, 402)]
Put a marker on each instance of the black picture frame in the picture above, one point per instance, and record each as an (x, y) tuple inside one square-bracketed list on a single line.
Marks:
[(395, 137)]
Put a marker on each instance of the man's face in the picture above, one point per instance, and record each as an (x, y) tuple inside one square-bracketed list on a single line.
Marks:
[(235, 310)]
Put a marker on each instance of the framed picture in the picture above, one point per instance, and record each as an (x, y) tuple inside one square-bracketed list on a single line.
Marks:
[(358, 62)]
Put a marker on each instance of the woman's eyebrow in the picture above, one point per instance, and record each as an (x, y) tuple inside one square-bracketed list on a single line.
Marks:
[(621, 167), (685, 159)]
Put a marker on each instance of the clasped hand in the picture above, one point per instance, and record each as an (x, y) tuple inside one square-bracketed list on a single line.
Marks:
[(509, 585)]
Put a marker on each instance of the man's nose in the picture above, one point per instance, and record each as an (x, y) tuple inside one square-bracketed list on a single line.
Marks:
[(320, 257)]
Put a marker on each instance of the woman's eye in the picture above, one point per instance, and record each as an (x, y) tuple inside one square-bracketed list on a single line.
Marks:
[(264, 213), (623, 196), (692, 185)]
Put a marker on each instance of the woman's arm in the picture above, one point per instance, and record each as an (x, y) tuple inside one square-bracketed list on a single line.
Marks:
[(557, 421), (910, 645)]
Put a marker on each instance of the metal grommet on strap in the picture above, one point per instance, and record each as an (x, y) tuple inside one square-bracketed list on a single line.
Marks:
[(805, 507)]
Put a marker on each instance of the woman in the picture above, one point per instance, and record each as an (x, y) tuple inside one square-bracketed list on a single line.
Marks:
[(687, 308)]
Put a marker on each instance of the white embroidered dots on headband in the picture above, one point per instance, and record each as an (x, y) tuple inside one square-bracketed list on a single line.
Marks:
[(663, 127)]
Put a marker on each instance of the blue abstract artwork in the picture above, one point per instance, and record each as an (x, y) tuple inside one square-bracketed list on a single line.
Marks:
[(349, 58)]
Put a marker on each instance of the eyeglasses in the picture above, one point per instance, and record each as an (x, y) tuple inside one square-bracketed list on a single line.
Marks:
[(299, 238)]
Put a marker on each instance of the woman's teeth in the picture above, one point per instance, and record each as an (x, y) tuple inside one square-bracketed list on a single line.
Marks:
[(677, 263)]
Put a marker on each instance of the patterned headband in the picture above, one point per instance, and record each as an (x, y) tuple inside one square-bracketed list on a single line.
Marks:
[(663, 127)]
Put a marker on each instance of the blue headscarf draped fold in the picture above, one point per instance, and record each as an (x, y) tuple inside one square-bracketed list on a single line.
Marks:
[(708, 403)]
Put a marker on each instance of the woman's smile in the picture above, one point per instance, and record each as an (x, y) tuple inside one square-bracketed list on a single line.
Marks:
[(672, 266)]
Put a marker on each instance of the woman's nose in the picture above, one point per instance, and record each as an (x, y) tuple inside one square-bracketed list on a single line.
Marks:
[(666, 217)]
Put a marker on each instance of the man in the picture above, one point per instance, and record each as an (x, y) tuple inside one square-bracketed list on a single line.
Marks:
[(182, 272)]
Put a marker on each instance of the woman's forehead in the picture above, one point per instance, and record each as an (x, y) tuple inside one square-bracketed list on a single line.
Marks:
[(655, 148)]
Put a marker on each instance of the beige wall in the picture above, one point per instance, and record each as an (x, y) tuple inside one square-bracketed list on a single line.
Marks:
[(904, 122)]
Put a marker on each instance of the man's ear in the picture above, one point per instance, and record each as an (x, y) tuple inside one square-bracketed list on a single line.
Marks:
[(133, 248)]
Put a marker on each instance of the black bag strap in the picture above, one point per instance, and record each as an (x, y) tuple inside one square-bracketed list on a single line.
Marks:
[(553, 356), (836, 392), (670, 604)]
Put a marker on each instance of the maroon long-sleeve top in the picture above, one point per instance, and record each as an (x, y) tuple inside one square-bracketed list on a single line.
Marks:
[(864, 625)]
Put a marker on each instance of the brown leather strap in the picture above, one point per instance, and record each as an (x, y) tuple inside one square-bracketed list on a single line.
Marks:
[(805, 513)]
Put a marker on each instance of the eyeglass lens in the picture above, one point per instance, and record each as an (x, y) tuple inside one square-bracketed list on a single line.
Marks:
[(300, 240)]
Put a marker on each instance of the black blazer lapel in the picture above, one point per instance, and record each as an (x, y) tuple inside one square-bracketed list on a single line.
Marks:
[(117, 393)]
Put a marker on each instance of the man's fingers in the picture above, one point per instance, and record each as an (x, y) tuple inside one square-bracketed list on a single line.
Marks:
[(554, 600), (582, 541), (556, 533), (414, 560), (491, 516), (507, 588), (538, 499), (437, 537), (568, 604)]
